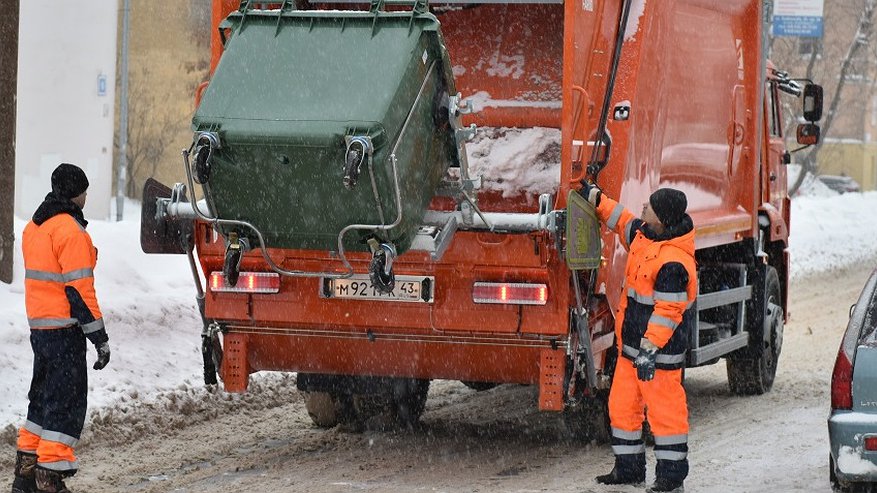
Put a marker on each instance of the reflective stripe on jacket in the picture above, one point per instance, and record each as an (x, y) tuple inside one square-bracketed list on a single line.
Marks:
[(660, 286), (59, 262)]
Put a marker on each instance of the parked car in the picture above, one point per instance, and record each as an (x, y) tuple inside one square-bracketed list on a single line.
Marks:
[(840, 183), (852, 425)]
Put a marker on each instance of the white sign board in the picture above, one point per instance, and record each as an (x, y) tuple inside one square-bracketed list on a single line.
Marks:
[(798, 18)]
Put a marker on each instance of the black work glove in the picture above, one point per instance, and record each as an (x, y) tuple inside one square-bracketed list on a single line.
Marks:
[(591, 192), (103, 355), (645, 360)]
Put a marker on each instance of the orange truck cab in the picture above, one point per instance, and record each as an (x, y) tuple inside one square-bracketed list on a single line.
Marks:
[(495, 288)]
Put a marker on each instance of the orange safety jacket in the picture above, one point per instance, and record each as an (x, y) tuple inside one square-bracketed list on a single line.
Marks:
[(660, 286), (59, 262)]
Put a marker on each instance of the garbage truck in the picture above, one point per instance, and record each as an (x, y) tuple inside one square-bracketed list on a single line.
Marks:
[(378, 195)]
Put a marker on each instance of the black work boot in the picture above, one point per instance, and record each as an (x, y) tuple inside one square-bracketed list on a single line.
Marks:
[(24, 473), (49, 481), (616, 477), (664, 485)]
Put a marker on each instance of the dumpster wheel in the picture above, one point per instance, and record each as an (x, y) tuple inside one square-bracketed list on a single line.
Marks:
[(380, 269)]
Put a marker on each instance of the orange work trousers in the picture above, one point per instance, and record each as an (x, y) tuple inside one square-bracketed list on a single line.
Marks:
[(664, 398)]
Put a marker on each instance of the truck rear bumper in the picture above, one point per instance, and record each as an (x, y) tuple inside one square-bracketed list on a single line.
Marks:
[(479, 358)]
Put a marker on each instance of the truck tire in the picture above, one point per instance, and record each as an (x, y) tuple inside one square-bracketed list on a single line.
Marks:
[(752, 369), (409, 401), (397, 406), (479, 386), (211, 351), (323, 409), (588, 420)]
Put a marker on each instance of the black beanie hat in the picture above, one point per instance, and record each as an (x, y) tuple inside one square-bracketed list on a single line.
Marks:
[(669, 205), (69, 181)]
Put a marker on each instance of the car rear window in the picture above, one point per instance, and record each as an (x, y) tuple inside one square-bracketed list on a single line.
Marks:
[(866, 313)]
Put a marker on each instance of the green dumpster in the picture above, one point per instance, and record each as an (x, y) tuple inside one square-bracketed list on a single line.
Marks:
[(305, 109)]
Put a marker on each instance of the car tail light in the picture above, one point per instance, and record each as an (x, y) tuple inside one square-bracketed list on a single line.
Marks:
[(871, 443), (510, 293), (248, 282), (842, 382)]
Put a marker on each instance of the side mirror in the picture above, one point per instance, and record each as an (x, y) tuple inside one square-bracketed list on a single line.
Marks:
[(808, 134), (812, 103)]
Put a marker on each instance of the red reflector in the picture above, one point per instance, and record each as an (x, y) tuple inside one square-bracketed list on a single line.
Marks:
[(871, 443), (510, 293), (248, 282), (842, 382)]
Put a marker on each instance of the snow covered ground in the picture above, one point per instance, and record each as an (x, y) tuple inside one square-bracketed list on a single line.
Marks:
[(148, 301)]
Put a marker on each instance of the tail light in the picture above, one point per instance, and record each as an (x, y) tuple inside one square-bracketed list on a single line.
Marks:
[(248, 282), (842, 382), (510, 293), (871, 443)]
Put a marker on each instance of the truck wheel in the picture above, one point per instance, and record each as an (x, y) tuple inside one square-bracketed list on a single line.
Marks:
[(479, 386), (588, 420), (751, 370), (231, 268), (382, 281), (409, 401), (322, 408), (211, 351)]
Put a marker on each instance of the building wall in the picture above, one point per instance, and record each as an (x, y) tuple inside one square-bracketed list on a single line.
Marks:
[(857, 160), (64, 111)]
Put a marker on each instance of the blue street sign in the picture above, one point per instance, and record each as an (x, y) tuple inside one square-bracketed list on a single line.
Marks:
[(797, 25)]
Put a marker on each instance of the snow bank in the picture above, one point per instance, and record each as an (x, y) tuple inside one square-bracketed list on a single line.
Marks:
[(832, 232)]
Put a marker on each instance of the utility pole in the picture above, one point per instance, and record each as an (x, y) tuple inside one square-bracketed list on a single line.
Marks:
[(121, 183), (8, 88)]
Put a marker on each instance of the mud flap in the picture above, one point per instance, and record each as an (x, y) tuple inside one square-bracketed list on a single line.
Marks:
[(235, 365), (552, 367), (159, 233)]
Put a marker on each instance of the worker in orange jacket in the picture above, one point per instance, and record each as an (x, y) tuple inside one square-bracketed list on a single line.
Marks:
[(62, 311), (652, 324)]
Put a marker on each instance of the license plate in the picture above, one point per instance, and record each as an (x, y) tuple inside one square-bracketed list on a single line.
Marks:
[(408, 289)]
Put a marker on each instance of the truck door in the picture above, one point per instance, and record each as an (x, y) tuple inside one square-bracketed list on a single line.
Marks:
[(774, 179)]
